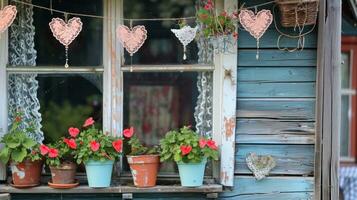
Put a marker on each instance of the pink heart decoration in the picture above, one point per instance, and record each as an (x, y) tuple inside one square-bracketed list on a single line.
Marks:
[(7, 17), (256, 25), (64, 32), (132, 39)]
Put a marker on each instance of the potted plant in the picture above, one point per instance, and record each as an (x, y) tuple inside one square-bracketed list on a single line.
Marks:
[(22, 153), (190, 152), (97, 151), (144, 161), (60, 159)]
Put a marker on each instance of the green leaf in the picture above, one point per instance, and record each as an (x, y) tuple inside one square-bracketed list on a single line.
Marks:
[(29, 143), (18, 155), (13, 143), (4, 155)]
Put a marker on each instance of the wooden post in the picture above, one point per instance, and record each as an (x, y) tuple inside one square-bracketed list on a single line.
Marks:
[(328, 101)]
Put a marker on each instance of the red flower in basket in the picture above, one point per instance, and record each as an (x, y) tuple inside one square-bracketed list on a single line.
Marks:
[(129, 132), (71, 143), (52, 153), (94, 145), (73, 131), (117, 145), (88, 122), (44, 149), (185, 149), (212, 144)]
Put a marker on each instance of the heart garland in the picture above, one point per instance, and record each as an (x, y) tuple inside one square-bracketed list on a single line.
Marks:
[(132, 39), (7, 17), (257, 24), (66, 32), (185, 35), (260, 165)]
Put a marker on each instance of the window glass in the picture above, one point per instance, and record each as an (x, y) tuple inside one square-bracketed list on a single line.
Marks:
[(345, 127), (85, 50), (161, 45), (67, 100), (345, 70)]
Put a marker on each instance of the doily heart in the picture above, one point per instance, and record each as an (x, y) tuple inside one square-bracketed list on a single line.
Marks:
[(260, 165), (64, 32), (257, 24), (7, 17), (132, 39), (185, 35)]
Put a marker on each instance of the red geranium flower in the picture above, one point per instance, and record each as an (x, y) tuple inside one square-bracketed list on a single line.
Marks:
[(88, 122), (71, 143), (129, 132), (202, 143), (94, 145), (117, 145), (44, 149), (73, 131), (185, 149), (209, 5), (212, 144), (52, 153)]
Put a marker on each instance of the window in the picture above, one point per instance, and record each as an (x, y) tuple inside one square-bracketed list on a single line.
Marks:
[(348, 101)]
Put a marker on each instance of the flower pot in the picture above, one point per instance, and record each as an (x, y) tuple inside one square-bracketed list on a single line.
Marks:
[(191, 174), (26, 173), (64, 173), (99, 173), (144, 169)]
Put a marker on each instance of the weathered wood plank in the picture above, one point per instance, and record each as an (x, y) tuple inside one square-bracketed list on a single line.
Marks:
[(303, 109), (290, 159), (276, 74), (276, 139), (260, 127), (277, 58), (274, 196), (251, 89)]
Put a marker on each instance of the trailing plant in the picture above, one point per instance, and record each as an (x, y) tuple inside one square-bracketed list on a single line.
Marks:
[(136, 147), (18, 145), (214, 24), (185, 145), (96, 145)]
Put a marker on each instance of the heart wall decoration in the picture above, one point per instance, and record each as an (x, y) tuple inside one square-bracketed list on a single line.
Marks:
[(185, 35), (260, 165), (256, 24), (66, 32), (132, 39), (7, 17)]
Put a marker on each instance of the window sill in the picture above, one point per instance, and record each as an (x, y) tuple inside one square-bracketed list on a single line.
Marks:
[(43, 189)]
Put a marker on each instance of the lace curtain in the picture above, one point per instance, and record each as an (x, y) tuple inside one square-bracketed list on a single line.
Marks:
[(22, 88)]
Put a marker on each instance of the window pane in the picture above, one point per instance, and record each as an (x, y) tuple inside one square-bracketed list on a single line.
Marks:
[(85, 50), (161, 45), (345, 127), (345, 70)]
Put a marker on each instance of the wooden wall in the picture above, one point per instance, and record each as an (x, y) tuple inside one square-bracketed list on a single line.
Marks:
[(276, 115)]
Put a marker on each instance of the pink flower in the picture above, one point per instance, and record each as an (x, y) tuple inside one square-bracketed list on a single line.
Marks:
[(94, 145), (208, 6), (71, 143), (73, 131), (44, 149), (88, 122), (212, 144), (185, 149), (202, 143), (129, 132), (117, 145), (52, 153)]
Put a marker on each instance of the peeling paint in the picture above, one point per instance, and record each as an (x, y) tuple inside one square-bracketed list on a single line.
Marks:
[(18, 172), (229, 124)]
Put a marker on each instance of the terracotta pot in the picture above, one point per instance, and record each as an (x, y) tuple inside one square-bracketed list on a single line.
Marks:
[(64, 173), (26, 173), (144, 169)]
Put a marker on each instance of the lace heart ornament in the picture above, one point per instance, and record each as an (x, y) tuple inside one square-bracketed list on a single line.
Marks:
[(260, 165), (7, 17), (185, 35), (257, 24), (132, 39)]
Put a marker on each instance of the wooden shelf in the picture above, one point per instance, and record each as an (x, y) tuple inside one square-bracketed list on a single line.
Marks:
[(43, 189)]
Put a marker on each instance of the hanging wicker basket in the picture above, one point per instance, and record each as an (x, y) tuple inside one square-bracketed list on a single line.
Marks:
[(298, 12)]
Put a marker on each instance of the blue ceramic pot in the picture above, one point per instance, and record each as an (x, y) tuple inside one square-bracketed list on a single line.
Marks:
[(99, 174), (191, 174)]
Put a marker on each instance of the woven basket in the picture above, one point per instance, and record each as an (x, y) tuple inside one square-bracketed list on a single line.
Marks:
[(298, 12)]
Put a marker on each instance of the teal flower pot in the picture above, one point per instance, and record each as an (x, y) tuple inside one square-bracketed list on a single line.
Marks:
[(99, 174), (191, 174)]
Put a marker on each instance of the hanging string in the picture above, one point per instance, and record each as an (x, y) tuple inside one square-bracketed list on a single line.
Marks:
[(66, 47), (2, 4), (51, 10)]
